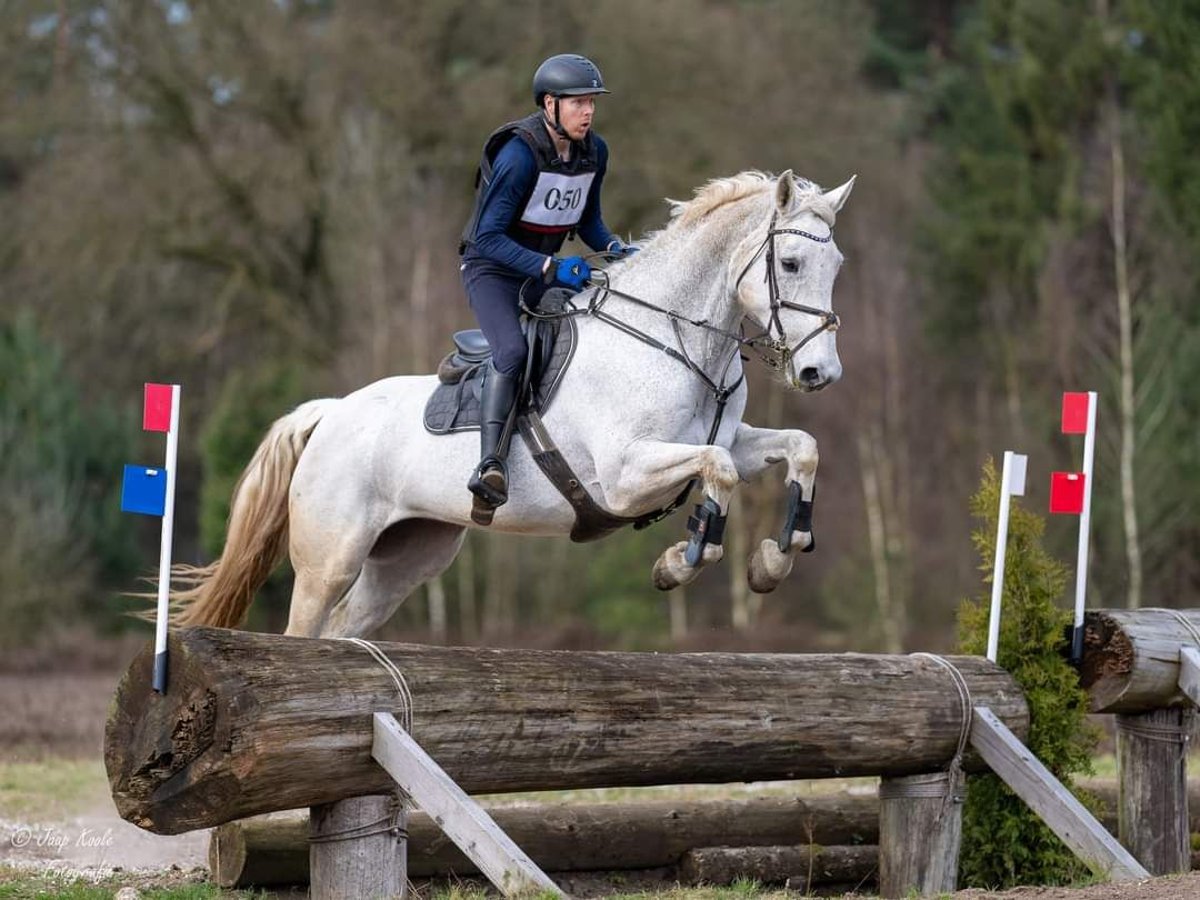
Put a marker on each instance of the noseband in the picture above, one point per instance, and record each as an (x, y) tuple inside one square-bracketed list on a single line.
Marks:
[(772, 345)]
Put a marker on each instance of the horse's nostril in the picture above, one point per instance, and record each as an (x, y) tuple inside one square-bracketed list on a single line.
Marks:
[(810, 375)]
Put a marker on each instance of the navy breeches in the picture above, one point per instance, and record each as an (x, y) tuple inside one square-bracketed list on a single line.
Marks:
[(493, 294)]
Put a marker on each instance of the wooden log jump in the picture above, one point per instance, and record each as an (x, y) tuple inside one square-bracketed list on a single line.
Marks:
[(273, 849), (1139, 664), (1131, 660), (650, 834), (256, 723)]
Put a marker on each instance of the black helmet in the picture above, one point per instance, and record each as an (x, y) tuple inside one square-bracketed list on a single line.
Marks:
[(566, 75)]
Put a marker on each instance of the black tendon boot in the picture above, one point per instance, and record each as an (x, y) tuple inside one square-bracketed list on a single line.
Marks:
[(489, 484)]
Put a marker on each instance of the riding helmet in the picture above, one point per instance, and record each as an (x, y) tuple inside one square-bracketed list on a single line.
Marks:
[(566, 75)]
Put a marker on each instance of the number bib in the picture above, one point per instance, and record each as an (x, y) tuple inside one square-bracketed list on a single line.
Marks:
[(557, 201)]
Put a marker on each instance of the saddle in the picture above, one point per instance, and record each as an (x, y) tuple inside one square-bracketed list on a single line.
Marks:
[(454, 405)]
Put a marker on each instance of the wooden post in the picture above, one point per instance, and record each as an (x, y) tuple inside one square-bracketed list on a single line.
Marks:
[(920, 829), (1153, 803), (358, 848)]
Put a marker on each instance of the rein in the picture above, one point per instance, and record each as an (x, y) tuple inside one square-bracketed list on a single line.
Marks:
[(776, 355)]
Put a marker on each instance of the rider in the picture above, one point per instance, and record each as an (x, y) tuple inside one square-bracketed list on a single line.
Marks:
[(531, 194)]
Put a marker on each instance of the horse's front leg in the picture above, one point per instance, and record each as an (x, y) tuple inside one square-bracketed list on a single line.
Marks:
[(756, 449), (650, 469)]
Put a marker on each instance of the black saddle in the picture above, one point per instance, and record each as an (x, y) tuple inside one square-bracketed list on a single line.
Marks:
[(454, 405)]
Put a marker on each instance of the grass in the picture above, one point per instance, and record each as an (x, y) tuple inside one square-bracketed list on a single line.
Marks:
[(19, 884), (49, 790)]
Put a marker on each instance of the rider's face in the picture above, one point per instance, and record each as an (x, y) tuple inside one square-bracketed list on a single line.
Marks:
[(574, 113)]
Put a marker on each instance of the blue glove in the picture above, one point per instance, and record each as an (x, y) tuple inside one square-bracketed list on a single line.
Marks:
[(617, 250), (572, 272)]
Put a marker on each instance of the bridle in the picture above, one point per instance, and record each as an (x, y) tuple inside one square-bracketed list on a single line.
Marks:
[(778, 353)]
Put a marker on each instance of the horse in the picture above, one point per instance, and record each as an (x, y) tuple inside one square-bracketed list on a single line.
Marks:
[(371, 505)]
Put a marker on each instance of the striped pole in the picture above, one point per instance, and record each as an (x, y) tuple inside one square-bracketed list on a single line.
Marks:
[(1085, 521), (164, 558)]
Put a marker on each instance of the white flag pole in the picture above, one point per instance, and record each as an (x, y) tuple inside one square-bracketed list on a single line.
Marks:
[(1085, 520), (164, 558), (1012, 482)]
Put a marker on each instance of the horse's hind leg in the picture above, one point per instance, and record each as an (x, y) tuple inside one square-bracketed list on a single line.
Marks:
[(323, 578), (406, 555)]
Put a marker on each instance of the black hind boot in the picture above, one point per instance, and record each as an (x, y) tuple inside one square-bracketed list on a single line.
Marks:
[(489, 484)]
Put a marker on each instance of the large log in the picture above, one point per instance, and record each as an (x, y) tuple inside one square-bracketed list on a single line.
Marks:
[(255, 723), (800, 866), (273, 849), (1131, 658)]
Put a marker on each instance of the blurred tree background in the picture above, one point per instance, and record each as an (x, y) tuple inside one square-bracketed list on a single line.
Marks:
[(261, 201)]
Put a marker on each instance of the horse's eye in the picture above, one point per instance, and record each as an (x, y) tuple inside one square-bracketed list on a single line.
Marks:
[(790, 265)]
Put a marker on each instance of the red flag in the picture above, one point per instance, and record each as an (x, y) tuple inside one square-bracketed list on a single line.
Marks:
[(1066, 492), (156, 413), (1075, 413)]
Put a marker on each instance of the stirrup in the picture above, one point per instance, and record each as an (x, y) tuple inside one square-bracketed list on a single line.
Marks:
[(489, 485)]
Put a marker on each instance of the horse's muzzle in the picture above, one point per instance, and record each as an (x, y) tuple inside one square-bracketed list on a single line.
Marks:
[(814, 378)]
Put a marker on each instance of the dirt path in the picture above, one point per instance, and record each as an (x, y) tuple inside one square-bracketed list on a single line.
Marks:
[(97, 838)]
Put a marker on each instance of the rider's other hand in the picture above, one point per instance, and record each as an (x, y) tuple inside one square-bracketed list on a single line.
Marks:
[(572, 272), (617, 250)]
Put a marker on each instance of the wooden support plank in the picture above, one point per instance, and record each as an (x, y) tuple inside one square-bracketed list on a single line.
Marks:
[(1046, 796), (461, 818), (1189, 673)]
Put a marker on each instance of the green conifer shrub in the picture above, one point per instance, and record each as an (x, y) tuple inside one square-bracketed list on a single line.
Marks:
[(1004, 842)]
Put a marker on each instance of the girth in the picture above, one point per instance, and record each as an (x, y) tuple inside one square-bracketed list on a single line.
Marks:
[(592, 521)]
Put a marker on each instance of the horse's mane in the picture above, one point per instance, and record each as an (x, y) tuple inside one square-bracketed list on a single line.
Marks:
[(720, 191)]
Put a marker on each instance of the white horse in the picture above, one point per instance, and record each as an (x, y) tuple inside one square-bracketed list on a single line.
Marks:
[(371, 505)]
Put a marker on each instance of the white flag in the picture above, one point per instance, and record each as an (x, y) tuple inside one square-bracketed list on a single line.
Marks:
[(1016, 474)]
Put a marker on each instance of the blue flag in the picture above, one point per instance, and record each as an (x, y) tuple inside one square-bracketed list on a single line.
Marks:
[(144, 491)]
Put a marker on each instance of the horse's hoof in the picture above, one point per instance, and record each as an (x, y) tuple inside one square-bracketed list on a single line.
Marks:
[(768, 566), (664, 578), (670, 570)]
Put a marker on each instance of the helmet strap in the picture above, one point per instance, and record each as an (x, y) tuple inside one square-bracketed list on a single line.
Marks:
[(562, 132)]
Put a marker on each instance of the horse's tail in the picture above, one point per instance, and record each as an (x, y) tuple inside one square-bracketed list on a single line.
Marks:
[(220, 593)]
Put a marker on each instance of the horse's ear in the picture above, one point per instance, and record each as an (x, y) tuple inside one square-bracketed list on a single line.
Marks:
[(785, 192), (837, 196)]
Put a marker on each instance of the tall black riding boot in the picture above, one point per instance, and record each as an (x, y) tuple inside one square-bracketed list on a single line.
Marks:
[(489, 484)]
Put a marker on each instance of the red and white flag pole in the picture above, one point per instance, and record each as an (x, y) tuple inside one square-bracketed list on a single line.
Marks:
[(1071, 493), (1012, 484)]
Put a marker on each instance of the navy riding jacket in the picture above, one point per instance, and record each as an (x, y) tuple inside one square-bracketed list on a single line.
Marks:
[(503, 234)]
